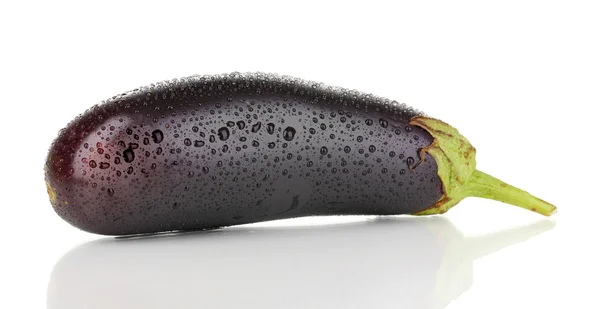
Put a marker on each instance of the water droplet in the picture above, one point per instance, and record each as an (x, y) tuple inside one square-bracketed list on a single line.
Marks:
[(347, 149), (187, 142), (128, 155), (241, 125), (129, 131), (211, 139), (146, 141), (271, 145), (324, 150), (195, 129), (256, 127), (410, 161), (130, 170), (312, 131), (205, 170), (384, 170), (255, 143), (270, 128), (392, 154), (225, 148), (383, 122), (159, 150), (288, 133), (93, 164), (190, 174), (223, 133), (110, 192), (198, 143), (372, 148), (230, 123), (323, 126), (104, 165), (157, 136), (402, 171), (359, 139), (369, 122)]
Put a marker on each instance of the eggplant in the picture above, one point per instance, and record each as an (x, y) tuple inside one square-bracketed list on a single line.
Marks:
[(205, 152)]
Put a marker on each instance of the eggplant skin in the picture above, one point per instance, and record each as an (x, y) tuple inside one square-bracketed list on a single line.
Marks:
[(211, 151)]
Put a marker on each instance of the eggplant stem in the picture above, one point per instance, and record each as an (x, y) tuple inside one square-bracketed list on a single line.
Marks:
[(455, 159), (483, 185)]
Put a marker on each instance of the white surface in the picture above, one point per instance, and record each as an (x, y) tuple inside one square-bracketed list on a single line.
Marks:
[(520, 79)]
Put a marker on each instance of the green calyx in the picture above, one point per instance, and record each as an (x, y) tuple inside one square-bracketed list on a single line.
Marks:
[(455, 158)]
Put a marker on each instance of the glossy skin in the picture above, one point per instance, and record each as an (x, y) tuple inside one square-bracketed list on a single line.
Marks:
[(212, 151)]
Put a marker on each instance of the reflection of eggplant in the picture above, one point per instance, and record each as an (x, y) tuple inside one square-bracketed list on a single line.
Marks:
[(384, 263)]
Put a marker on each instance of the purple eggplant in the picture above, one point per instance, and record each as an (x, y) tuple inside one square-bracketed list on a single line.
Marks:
[(211, 151)]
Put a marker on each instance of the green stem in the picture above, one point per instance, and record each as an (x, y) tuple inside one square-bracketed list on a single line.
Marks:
[(483, 185), (455, 158)]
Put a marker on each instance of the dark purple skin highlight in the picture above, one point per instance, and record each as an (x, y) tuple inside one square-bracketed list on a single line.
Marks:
[(211, 151)]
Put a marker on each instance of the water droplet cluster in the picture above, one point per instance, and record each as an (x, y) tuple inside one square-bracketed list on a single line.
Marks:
[(208, 151)]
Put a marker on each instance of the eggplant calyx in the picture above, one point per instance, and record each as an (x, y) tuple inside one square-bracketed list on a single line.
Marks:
[(455, 158)]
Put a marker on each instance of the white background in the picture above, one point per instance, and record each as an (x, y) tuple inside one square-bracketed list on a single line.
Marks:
[(520, 79)]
